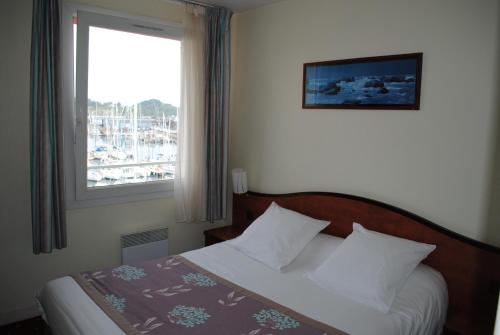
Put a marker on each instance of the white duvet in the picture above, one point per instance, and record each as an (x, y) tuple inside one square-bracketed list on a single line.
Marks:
[(420, 307)]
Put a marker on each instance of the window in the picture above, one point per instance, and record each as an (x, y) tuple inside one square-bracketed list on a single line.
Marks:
[(126, 80)]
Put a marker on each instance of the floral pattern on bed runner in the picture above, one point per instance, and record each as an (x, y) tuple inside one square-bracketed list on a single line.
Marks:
[(174, 296)]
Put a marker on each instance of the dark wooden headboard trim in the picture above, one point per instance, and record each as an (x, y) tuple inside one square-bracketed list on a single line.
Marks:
[(392, 208), (470, 268)]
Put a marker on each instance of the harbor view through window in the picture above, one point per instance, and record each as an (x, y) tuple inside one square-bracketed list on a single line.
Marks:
[(133, 98)]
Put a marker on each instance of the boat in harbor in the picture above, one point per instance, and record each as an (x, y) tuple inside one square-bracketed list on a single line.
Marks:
[(158, 171), (117, 154), (129, 173), (163, 171), (170, 169), (112, 174), (93, 175), (141, 172)]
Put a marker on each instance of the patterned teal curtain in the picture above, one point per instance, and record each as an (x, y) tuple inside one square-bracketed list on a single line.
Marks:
[(218, 51), (47, 180)]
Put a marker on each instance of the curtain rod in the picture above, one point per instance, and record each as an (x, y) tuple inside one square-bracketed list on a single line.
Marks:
[(194, 2)]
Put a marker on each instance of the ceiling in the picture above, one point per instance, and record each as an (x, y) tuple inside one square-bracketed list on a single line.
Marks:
[(240, 5)]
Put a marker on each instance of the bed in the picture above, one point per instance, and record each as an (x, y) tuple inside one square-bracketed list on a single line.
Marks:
[(455, 290)]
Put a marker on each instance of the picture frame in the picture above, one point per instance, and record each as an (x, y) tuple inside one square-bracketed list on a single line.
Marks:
[(382, 82)]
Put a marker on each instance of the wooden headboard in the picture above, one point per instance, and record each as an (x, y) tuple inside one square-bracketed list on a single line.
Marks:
[(471, 268)]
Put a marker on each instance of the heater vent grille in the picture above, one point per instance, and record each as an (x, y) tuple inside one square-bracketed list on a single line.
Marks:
[(144, 237)]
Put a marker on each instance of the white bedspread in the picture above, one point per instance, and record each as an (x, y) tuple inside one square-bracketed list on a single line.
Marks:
[(419, 308)]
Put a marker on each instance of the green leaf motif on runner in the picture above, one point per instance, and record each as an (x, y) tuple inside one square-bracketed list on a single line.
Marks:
[(271, 318)]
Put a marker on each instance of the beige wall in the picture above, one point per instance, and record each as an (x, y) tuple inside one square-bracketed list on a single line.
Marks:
[(93, 233), (436, 162), (492, 231)]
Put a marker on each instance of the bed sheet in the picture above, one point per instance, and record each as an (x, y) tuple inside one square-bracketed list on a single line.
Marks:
[(420, 307)]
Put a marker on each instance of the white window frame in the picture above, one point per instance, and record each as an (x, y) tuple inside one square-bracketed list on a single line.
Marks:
[(75, 112)]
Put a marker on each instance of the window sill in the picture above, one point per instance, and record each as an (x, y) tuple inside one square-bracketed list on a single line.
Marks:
[(88, 203)]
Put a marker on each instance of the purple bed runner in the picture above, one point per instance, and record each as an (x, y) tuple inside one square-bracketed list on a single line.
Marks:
[(174, 296)]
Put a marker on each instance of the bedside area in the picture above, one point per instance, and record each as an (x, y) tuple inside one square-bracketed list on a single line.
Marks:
[(217, 235)]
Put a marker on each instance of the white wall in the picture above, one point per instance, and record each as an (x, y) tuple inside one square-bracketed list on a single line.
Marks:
[(436, 162), (93, 233)]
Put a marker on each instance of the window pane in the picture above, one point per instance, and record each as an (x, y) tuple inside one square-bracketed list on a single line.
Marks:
[(133, 97)]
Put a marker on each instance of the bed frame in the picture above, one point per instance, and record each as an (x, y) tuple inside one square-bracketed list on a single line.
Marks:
[(471, 268)]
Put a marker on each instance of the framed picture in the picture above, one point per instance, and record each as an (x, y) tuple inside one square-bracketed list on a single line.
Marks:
[(384, 82)]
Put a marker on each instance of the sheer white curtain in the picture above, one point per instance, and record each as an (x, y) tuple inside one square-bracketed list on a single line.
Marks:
[(190, 174)]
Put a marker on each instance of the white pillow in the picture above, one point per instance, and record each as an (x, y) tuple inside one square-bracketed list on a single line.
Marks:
[(370, 267), (276, 237)]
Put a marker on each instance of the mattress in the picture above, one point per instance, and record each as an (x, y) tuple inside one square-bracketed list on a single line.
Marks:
[(419, 308)]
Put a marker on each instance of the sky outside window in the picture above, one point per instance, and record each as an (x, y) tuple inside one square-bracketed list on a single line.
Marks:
[(130, 68)]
